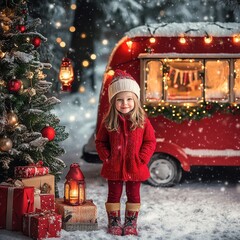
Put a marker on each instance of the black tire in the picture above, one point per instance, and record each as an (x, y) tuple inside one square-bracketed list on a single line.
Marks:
[(165, 171)]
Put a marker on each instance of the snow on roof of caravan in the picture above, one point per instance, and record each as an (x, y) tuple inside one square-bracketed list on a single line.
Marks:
[(197, 29)]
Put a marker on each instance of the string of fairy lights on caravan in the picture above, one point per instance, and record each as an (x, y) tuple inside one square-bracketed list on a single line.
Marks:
[(203, 38)]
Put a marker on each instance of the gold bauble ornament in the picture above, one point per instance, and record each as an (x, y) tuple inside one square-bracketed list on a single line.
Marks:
[(29, 75), (12, 119), (5, 27), (41, 75), (3, 83), (2, 54), (5, 144)]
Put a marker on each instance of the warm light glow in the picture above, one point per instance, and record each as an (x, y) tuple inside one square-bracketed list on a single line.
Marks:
[(93, 56), (129, 44), (74, 187), (58, 40), (182, 40), (208, 39), (110, 73), (73, 6), (236, 38), (152, 40), (72, 29), (105, 42), (83, 35), (58, 24), (92, 100), (66, 73), (2, 54), (62, 44), (81, 89), (73, 194), (85, 63)]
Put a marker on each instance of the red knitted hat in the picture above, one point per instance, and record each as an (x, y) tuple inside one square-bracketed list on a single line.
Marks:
[(123, 82)]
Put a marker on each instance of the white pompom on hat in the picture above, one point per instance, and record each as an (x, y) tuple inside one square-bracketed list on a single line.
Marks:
[(122, 82)]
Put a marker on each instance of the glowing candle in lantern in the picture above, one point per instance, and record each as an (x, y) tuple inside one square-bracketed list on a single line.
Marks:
[(74, 188), (66, 74)]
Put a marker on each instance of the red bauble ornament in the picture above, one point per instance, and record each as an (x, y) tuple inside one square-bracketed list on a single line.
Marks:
[(14, 85), (48, 132), (21, 28), (24, 11), (36, 42)]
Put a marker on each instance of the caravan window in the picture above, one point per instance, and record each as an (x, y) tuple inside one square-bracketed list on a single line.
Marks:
[(237, 80), (181, 80), (191, 80), (216, 80)]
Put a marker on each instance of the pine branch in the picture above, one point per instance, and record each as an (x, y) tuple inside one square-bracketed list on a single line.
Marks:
[(37, 144), (47, 103), (29, 137)]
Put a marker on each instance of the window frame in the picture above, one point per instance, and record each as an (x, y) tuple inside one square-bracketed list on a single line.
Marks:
[(145, 58)]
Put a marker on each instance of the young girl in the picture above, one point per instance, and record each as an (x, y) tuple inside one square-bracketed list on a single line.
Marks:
[(125, 143)]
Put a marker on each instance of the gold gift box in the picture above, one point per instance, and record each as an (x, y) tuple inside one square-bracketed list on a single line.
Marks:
[(40, 181), (86, 213)]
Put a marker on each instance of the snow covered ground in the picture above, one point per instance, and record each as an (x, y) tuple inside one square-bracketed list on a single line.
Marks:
[(205, 206)]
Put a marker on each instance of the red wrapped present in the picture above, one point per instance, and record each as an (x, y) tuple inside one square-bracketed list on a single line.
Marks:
[(15, 201), (31, 170), (41, 225), (44, 201)]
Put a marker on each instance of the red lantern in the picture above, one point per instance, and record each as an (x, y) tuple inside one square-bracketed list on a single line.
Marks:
[(14, 85), (21, 28), (48, 132), (74, 187), (66, 74), (36, 42)]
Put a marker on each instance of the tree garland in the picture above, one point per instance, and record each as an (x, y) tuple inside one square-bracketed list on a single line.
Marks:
[(179, 113)]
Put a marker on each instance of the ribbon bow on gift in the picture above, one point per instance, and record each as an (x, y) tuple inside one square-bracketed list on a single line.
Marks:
[(12, 183), (37, 164)]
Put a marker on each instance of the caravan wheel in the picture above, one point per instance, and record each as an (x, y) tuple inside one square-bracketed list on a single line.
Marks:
[(165, 171)]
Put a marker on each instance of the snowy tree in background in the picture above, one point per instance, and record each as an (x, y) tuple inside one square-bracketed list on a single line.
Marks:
[(29, 132)]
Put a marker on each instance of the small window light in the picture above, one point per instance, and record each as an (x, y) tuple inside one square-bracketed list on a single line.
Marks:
[(208, 39), (152, 40), (129, 44), (182, 40), (236, 38)]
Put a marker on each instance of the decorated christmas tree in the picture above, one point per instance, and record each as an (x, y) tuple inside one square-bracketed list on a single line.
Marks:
[(29, 132)]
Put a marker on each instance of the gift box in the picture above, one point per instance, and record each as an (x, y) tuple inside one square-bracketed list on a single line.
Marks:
[(43, 201), (45, 183), (14, 203), (31, 170), (82, 214), (42, 225)]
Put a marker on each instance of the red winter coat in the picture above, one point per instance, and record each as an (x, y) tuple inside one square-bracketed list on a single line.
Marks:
[(125, 153)]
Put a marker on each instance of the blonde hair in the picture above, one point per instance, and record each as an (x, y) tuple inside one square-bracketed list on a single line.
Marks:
[(137, 115)]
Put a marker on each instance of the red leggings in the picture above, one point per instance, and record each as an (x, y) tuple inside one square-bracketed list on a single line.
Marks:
[(115, 191)]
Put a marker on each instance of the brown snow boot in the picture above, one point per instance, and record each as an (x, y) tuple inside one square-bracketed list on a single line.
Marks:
[(114, 220), (131, 215)]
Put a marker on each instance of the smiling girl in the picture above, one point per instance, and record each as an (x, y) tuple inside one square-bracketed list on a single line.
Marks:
[(125, 143)]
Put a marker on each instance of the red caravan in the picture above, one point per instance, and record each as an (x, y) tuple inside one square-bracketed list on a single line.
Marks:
[(189, 74)]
